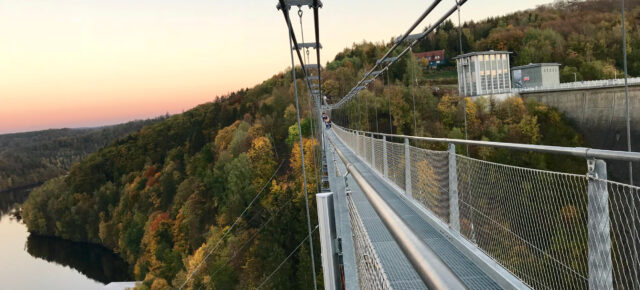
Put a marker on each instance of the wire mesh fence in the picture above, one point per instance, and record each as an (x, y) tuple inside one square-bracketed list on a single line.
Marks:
[(370, 272), (361, 146), (430, 180), (623, 211), (533, 222), (552, 230), (367, 149), (396, 159), (378, 143)]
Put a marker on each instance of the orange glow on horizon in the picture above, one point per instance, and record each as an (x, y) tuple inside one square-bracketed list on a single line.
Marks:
[(69, 63)]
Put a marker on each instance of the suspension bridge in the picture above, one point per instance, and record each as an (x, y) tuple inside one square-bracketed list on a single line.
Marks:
[(395, 215), (411, 212)]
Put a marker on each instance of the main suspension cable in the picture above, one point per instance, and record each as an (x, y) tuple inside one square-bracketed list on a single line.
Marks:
[(389, 96), (464, 99), (388, 53), (316, 20), (304, 173), (293, 43), (311, 117), (419, 38), (375, 107), (413, 90)]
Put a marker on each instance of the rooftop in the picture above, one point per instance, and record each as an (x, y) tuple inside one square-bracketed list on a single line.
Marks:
[(482, 53), (430, 53)]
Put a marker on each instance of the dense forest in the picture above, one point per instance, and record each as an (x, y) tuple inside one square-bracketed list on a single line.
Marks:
[(28, 159), (584, 36), (165, 198)]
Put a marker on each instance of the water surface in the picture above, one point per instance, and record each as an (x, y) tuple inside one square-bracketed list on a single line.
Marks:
[(30, 261)]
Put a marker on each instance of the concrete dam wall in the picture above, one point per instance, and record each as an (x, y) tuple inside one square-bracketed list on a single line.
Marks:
[(600, 115)]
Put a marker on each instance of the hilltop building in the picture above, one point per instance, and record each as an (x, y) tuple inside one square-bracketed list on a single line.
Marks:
[(484, 73), (536, 75), (435, 58)]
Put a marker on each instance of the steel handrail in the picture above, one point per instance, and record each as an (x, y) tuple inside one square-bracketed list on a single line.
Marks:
[(431, 269), (588, 153)]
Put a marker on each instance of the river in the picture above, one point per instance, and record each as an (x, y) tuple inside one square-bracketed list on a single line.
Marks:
[(29, 261)]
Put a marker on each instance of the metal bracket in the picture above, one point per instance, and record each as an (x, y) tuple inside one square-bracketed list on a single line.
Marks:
[(376, 73), (410, 37), (386, 60), (346, 183), (298, 3), (591, 169), (311, 66), (308, 45)]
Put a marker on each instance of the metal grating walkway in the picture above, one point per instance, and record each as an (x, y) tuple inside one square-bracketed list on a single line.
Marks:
[(398, 269), (343, 224)]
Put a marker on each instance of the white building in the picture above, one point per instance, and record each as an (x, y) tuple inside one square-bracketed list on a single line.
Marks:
[(484, 73)]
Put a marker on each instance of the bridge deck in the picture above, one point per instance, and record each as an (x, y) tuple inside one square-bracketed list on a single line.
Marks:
[(343, 224), (397, 267)]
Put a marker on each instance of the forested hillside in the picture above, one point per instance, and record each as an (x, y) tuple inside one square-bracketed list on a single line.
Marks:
[(584, 36), (164, 197), (28, 159)]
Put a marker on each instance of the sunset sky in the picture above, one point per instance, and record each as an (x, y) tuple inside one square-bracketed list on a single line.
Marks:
[(78, 63)]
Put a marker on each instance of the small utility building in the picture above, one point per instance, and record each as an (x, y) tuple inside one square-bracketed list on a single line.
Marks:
[(484, 73), (536, 75), (435, 58)]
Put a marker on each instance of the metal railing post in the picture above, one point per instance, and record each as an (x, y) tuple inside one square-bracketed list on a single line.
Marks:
[(366, 149), (454, 209), (357, 144), (363, 151), (373, 152), (385, 159), (407, 167), (327, 227), (599, 236), (352, 140)]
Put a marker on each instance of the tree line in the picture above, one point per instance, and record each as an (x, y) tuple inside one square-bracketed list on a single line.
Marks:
[(31, 158)]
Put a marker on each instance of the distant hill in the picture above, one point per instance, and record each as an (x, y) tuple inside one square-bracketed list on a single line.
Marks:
[(31, 158)]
